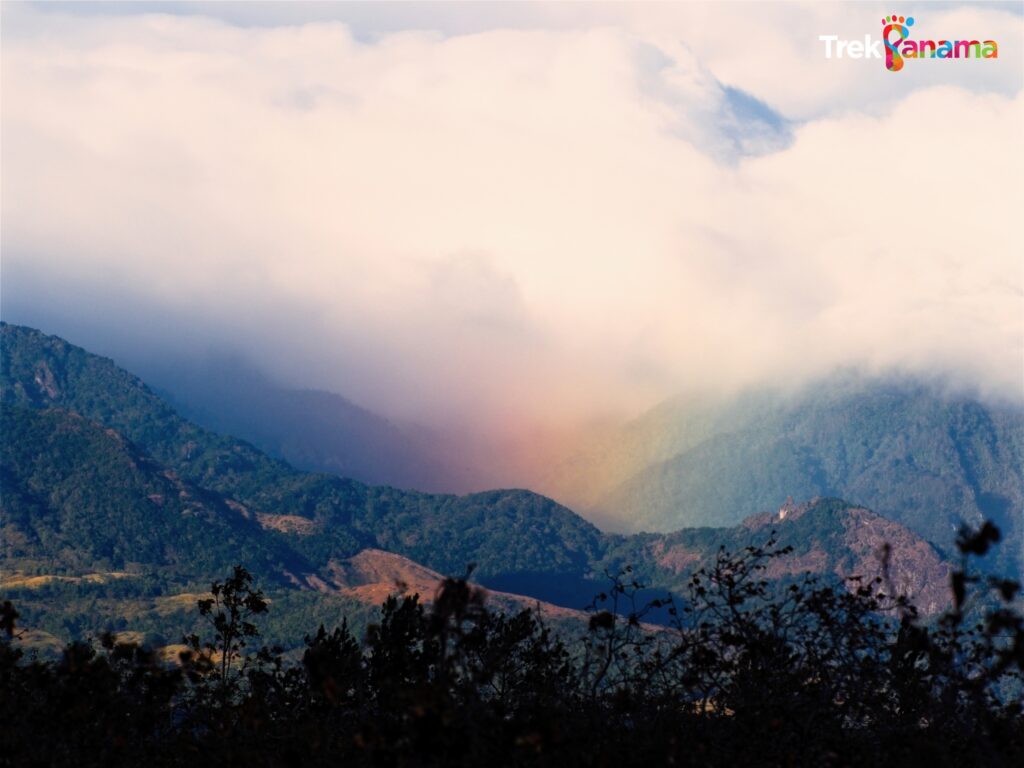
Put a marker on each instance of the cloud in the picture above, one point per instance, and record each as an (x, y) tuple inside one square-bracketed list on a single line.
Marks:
[(510, 227)]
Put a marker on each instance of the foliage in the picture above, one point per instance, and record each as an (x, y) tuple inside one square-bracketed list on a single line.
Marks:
[(80, 497), (750, 675), (229, 612)]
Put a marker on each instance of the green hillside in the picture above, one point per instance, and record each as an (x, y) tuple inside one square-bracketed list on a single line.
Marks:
[(498, 530), (77, 496), (913, 453)]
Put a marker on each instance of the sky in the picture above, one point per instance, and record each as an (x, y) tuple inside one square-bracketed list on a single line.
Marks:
[(510, 217)]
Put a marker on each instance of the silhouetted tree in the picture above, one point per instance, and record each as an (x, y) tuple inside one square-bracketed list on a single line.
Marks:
[(750, 672)]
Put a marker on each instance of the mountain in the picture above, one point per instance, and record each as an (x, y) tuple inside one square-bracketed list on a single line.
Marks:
[(117, 512), (914, 453), (79, 496), (498, 530), (96, 535), (310, 429), (829, 537)]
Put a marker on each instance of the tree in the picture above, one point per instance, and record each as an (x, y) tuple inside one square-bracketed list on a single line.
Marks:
[(230, 610)]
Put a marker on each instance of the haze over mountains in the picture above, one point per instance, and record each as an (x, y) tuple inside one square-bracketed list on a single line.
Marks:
[(604, 212), (910, 447), (632, 218), (109, 493), (595, 307), (904, 446), (313, 429)]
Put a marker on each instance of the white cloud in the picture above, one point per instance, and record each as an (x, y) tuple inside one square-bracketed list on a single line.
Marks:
[(514, 226)]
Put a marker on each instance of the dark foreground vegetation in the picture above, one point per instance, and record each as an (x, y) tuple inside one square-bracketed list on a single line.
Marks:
[(753, 673)]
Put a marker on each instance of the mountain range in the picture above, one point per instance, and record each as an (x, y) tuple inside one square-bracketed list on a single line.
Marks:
[(923, 456), (919, 452), (310, 429), (111, 499)]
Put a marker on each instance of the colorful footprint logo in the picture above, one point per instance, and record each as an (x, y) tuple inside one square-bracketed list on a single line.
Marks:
[(899, 25)]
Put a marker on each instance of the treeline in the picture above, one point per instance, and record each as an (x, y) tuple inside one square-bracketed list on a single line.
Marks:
[(751, 674)]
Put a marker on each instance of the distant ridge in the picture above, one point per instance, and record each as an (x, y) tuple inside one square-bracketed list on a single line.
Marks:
[(900, 446), (311, 429)]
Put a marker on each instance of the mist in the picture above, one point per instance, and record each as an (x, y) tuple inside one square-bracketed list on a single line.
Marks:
[(509, 232)]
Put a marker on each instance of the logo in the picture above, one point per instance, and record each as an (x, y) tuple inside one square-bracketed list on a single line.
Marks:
[(890, 24), (898, 46)]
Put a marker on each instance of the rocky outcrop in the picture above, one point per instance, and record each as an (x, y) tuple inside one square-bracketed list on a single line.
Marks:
[(858, 542)]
